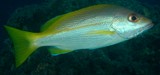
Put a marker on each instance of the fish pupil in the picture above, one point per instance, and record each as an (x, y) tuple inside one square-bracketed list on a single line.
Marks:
[(134, 18)]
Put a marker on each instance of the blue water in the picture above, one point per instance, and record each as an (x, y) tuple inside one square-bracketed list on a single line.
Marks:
[(139, 56)]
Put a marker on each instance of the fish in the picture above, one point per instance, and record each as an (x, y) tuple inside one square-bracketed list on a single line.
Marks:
[(88, 28)]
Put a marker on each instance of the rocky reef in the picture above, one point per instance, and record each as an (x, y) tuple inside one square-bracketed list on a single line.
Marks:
[(138, 56)]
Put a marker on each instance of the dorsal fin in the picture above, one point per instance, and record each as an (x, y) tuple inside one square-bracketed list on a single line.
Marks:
[(50, 22)]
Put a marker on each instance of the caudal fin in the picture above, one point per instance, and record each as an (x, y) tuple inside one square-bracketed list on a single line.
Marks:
[(23, 44)]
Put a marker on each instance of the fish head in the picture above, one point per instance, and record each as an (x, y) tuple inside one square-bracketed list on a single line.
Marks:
[(129, 24)]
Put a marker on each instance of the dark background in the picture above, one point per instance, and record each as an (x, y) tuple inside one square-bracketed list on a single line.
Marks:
[(7, 7)]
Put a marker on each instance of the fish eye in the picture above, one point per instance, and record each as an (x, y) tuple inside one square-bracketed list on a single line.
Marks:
[(133, 18)]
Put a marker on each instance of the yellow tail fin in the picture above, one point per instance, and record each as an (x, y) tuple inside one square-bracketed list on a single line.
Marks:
[(23, 44)]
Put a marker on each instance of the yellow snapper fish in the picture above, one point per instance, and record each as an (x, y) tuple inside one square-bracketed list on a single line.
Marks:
[(88, 28)]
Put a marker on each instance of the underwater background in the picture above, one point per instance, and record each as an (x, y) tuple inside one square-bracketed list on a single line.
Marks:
[(138, 56)]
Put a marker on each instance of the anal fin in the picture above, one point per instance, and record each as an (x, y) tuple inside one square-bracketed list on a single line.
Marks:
[(57, 51)]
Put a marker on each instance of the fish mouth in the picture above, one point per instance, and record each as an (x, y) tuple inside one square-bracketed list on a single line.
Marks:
[(148, 26), (136, 32), (143, 29)]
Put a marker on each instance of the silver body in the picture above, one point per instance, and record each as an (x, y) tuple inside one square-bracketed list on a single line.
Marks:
[(95, 18)]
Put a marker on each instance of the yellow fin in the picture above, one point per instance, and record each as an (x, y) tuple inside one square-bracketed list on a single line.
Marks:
[(102, 32), (50, 22), (57, 51), (23, 44)]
